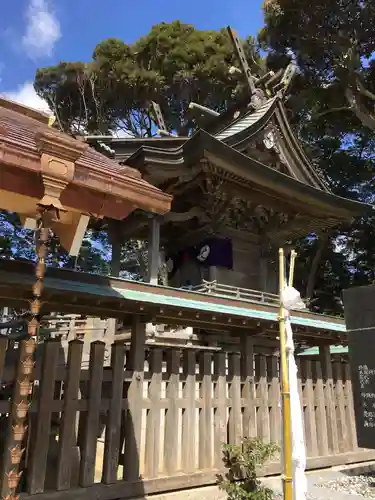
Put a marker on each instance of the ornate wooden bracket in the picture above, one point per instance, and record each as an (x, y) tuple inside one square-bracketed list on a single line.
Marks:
[(58, 156)]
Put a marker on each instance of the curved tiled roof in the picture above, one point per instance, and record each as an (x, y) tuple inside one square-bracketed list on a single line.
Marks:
[(246, 121), (20, 128)]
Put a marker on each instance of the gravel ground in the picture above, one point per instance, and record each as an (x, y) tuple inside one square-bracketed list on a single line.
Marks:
[(353, 485), (333, 485)]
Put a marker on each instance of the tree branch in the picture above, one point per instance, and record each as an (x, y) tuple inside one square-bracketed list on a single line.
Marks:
[(362, 89), (332, 110)]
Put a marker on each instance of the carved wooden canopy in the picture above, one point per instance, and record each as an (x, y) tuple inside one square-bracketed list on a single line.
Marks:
[(41, 166)]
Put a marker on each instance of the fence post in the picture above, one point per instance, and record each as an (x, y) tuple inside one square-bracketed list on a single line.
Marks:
[(248, 387), (235, 416), (205, 415), (220, 418), (330, 399), (113, 427), (189, 434), (152, 451), (133, 422), (40, 437), (68, 422), (171, 417)]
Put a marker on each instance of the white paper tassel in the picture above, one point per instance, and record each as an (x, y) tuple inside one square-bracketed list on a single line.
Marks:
[(291, 299)]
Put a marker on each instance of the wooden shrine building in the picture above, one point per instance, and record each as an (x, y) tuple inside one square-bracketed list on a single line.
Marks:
[(214, 207), (242, 186)]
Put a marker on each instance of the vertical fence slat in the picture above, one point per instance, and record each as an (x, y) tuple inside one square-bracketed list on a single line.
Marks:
[(248, 387), (205, 417), (263, 412), (235, 414), (68, 422), (133, 422), (113, 427), (220, 418), (350, 409), (330, 399), (3, 350), (341, 414), (171, 418), (275, 415), (91, 420), (309, 413), (189, 433), (321, 413), (42, 427), (152, 452)]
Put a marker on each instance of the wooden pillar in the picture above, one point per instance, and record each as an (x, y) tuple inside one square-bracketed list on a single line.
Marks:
[(153, 251)]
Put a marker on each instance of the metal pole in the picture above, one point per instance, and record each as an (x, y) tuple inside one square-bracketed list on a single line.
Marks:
[(285, 390)]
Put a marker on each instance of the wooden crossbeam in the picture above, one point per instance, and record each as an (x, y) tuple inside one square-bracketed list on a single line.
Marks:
[(237, 44)]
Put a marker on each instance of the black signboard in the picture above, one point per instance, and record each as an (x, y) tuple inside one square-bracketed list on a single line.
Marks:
[(359, 307)]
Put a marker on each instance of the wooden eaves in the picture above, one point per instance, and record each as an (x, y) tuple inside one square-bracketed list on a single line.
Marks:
[(71, 292)]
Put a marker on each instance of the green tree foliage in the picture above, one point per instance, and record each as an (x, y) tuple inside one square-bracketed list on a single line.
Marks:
[(334, 43), (243, 463), (174, 64), (333, 107), (19, 243)]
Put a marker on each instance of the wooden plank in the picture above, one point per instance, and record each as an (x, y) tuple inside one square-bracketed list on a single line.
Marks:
[(321, 413), (342, 430), (112, 431), (133, 422), (330, 398), (189, 434), (36, 473), (263, 416), (248, 387), (152, 451), (350, 409), (91, 421), (68, 422), (206, 414), (309, 413), (235, 413), (220, 417), (275, 413), (171, 417), (3, 350)]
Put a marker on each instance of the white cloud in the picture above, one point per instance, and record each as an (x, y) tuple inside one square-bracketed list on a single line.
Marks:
[(26, 95), (42, 29)]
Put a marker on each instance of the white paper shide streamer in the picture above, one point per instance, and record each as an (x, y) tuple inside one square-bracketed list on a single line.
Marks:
[(291, 299)]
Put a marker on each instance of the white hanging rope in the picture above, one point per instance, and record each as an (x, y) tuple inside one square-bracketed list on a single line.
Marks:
[(291, 299)]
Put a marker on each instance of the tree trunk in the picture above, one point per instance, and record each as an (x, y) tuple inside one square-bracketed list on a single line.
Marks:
[(114, 235), (359, 109), (316, 261)]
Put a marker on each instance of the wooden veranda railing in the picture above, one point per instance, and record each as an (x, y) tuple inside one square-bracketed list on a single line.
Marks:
[(155, 419), (245, 294)]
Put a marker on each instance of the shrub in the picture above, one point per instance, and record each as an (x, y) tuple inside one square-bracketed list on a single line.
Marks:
[(242, 462)]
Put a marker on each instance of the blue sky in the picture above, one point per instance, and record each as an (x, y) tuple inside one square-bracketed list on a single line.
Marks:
[(38, 33)]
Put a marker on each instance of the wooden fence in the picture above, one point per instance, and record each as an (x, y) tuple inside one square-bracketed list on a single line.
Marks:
[(156, 419)]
